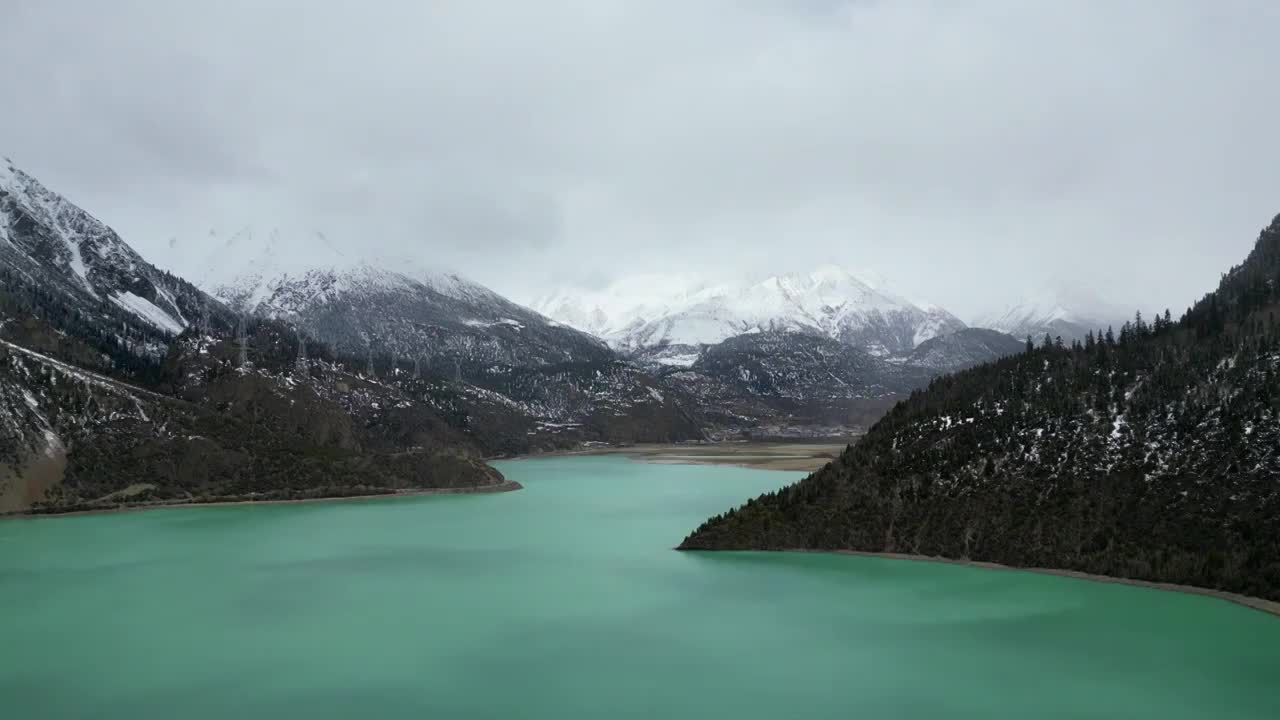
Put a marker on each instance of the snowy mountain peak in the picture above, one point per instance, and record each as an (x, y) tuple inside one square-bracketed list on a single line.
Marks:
[(1063, 312), (829, 300), (249, 266), (835, 276), (636, 298)]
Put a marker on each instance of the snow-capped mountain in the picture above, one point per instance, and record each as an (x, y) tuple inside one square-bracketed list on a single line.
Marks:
[(49, 248), (1069, 315), (823, 353), (248, 267), (829, 301), (633, 299), (391, 306)]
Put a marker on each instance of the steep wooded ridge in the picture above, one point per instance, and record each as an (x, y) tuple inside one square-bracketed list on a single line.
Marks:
[(121, 384), (215, 430), (1151, 455)]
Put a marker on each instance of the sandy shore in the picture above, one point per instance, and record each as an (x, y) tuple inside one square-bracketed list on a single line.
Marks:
[(505, 486), (784, 455), (1267, 606)]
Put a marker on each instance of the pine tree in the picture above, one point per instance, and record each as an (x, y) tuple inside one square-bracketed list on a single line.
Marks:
[(243, 335), (301, 363)]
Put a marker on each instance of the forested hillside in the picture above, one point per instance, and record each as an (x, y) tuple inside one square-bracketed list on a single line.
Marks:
[(268, 425), (1149, 452)]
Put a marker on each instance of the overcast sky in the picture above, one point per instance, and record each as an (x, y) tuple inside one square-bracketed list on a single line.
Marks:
[(970, 150)]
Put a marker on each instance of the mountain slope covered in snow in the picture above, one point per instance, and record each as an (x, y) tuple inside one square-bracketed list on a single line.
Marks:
[(829, 301)]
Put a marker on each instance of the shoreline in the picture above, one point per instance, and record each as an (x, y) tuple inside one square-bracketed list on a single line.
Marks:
[(504, 486), (1270, 607), (802, 455)]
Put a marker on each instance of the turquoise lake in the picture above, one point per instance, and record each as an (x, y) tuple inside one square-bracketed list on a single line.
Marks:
[(565, 600)]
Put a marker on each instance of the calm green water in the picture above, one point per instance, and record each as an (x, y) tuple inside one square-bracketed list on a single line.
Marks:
[(564, 601)]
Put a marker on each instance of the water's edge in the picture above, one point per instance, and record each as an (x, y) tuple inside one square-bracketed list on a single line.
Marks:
[(504, 486), (802, 455), (1271, 607)]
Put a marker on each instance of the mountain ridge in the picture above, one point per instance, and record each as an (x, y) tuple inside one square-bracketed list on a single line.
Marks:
[(543, 381), (828, 300)]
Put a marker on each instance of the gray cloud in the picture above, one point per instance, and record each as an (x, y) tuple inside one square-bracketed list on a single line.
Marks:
[(971, 151)]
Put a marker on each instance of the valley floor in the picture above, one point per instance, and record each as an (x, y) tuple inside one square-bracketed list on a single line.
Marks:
[(793, 455)]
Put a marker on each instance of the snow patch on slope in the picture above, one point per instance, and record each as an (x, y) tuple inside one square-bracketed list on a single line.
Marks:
[(147, 310)]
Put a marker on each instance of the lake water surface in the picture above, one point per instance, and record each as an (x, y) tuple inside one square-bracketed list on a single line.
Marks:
[(565, 601)]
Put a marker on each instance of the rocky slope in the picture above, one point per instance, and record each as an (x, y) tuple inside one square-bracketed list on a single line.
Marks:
[(790, 384), (56, 258), (1148, 455), (962, 350), (442, 321), (797, 384), (216, 431)]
